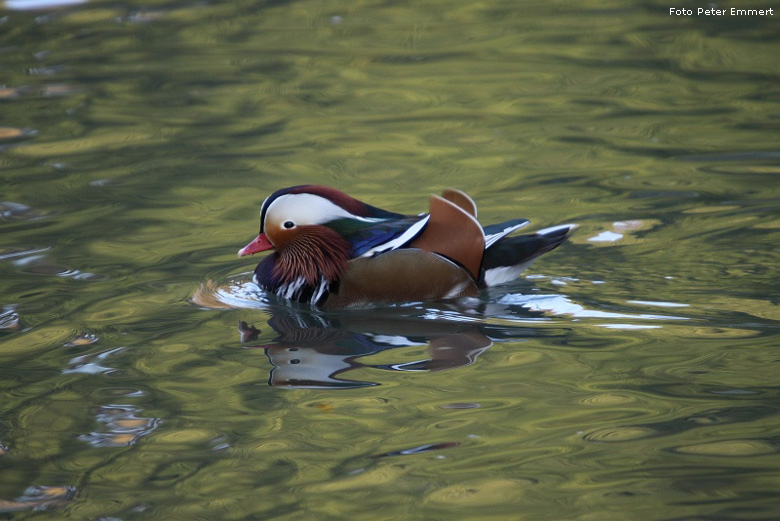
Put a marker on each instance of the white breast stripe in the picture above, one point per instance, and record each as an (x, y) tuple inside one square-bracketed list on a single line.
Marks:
[(320, 290), (288, 290)]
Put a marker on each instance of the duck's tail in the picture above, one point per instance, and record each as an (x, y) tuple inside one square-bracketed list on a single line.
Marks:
[(507, 258)]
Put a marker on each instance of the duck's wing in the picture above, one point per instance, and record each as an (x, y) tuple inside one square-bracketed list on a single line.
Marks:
[(372, 238), (369, 239), (496, 232)]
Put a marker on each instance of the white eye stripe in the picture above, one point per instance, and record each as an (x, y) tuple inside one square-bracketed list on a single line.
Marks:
[(306, 209)]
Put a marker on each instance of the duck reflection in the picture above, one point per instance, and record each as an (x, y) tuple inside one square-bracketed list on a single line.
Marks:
[(318, 351)]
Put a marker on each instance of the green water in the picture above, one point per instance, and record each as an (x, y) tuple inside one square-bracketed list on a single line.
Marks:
[(633, 374)]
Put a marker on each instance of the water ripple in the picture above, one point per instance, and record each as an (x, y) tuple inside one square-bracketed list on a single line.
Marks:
[(730, 448)]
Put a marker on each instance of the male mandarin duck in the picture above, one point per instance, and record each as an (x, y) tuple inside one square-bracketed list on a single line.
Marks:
[(334, 251)]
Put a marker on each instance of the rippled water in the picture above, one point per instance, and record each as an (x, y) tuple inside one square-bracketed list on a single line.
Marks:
[(632, 374)]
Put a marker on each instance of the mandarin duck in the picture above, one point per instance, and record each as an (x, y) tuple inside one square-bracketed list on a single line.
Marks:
[(333, 251)]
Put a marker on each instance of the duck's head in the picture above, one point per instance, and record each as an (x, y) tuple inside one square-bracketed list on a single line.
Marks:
[(298, 222), (286, 213)]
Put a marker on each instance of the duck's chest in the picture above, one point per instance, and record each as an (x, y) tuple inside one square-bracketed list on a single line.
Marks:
[(296, 288)]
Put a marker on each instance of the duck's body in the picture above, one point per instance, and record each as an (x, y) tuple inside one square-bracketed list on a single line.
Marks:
[(334, 251)]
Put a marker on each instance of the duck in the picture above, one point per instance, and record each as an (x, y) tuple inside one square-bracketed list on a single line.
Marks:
[(333, 251)]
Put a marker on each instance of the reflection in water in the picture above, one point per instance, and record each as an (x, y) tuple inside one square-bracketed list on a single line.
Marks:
[(82, 340), (10, 210), (40, 265), (318, 351), (561, 305), (9, 319), (23, 5), (39, 498), (418, 450), (123, 427), (315, 349), (91, 363)]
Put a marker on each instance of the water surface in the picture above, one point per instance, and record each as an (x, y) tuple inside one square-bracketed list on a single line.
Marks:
[(631, 374)]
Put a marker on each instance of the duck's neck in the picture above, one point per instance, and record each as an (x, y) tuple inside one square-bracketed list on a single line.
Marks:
[(317, 253)]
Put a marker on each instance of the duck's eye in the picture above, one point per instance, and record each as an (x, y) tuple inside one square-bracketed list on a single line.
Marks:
[(289, 224)]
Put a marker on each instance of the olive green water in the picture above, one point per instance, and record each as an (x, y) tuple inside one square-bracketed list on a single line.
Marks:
[(632, 375)]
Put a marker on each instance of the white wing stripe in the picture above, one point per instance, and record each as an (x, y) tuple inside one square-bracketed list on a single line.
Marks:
[(553, 229), (492, 238), (399, 241)]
